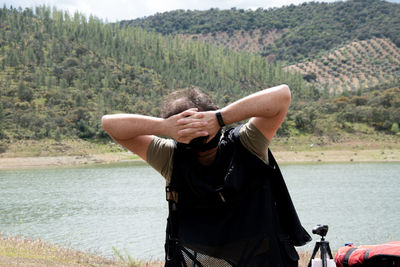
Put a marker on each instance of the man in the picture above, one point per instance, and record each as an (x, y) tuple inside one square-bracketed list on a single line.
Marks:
[(233, 204)]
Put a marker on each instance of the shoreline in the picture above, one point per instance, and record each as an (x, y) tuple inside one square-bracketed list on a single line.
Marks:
[(282, 157), (7, 163)]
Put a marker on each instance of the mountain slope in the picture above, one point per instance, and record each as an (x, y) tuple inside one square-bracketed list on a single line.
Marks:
[(357, 65), (239, 40), (59, 73), (309, 28)]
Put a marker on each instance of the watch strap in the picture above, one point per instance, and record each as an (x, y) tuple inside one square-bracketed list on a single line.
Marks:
[(219, 118)]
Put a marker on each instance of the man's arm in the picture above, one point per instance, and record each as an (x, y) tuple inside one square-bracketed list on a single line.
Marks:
[(267, 110), (135, 132)]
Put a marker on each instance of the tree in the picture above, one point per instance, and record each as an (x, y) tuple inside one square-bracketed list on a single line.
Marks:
[(13, 58), (2, 120), (24, 93)]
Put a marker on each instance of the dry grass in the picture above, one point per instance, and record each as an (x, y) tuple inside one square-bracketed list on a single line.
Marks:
[(52, 148), (16, 251), (304, 258)]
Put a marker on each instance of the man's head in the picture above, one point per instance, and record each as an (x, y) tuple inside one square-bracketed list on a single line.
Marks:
[(184, 99)]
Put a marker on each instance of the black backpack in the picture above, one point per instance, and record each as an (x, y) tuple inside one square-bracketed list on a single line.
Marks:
[(176, 255)]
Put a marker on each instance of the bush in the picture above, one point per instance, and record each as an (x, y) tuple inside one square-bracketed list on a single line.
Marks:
[(24, 93), (387, 125), (3, 147), (395, 128), (310, 77)]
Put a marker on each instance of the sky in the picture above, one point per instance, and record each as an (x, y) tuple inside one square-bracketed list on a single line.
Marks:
[(117, 10)]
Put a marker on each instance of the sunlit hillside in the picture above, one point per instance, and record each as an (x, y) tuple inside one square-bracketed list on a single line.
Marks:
[(250, 41), (356, 65)]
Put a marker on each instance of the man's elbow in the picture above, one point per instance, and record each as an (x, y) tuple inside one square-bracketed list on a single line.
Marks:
[(286, 94), (106, 123)]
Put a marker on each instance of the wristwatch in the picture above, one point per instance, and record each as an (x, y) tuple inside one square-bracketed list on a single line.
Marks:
[(219, 118)]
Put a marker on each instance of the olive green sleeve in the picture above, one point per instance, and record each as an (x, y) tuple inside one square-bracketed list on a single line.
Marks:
[(254, 141), (160, 156)]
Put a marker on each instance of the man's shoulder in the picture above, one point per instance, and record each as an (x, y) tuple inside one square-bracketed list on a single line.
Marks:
[(159, 143), (254, 141), (159, 155)]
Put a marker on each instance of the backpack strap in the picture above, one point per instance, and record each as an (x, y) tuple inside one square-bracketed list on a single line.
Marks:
[(171, 194), (366, 255), (174, 251), (347, 257), (171, 240)]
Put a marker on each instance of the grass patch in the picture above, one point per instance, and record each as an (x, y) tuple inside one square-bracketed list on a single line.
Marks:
[(16, 251), (51, 148), (355, 142)]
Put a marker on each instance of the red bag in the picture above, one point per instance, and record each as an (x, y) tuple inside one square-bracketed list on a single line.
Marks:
[(387, 255)]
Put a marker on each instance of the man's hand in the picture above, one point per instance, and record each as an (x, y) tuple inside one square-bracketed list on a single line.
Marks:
[(205, 123), (187, 125)]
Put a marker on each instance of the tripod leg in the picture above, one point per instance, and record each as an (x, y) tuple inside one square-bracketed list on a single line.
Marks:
[(316, 247), (323, 255), (329, 251)]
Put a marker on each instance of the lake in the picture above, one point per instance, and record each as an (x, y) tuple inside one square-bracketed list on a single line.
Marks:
[(123, 206)]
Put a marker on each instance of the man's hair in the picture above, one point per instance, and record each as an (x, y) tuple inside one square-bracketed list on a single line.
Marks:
[(183, 99)]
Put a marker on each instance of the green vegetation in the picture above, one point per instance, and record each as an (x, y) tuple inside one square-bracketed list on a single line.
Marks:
[(354, 113), (59, 73), (306, 30)]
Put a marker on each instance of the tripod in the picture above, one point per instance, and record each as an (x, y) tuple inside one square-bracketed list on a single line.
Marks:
[(323, 245)]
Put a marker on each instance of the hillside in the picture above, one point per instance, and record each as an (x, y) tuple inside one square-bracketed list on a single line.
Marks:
[(352, 67), (239, 40), (341, 46), (60, 73), (298, 31)]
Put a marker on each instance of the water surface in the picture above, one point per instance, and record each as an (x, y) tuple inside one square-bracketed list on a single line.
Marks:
[(123, 206)]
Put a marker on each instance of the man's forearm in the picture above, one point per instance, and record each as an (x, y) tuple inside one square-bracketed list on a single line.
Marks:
[(128, 126), (263, 104), (266, 108)]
